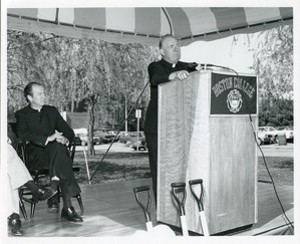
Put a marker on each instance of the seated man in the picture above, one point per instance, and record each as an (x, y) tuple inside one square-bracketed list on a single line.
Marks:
[(17, 176), (48, 134)]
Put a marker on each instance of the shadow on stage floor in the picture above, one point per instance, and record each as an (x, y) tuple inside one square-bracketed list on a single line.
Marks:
[(111, 210)]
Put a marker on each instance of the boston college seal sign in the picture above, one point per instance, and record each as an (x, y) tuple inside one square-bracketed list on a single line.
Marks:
[(234, 101), (232, 94)]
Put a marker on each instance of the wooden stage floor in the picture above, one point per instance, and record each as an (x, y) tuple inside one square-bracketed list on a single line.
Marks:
[(111, 210)]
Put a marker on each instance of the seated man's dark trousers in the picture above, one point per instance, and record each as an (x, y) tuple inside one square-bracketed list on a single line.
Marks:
[(55, 157)]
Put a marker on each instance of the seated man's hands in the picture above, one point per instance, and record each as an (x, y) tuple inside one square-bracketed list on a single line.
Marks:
[(181, 75), (57, 136), (62, 139)]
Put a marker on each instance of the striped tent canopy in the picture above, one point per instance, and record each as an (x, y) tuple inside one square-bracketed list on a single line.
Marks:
[(147, 25)]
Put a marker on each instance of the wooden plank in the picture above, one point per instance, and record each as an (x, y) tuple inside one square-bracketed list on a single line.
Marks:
[(105, 217), (233, 169), (178, 111)]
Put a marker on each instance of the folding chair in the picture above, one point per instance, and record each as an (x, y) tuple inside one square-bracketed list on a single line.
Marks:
[(37, 175)]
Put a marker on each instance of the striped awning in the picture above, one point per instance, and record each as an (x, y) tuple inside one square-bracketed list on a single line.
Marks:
[(147, 25)]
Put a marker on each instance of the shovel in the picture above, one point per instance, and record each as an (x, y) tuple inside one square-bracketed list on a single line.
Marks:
[(199, 201), (145, 207), (178, 188)]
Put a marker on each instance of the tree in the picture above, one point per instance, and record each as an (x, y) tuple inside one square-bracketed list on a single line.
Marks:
[(102, 75), (26, 62), (130, 74), (273, 63), (94, 79)]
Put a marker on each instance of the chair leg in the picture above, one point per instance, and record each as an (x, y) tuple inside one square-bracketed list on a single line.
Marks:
[(22, 207), (32, 209), (58, 194), (21, 203), (78, 197)]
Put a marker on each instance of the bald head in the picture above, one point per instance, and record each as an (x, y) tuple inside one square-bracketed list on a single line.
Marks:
[(170, 50)]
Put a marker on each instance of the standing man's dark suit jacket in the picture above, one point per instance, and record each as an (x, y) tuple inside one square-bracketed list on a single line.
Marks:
[(158, 73)]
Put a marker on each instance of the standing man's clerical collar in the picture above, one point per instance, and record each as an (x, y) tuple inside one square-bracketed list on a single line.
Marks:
[(173, 65)]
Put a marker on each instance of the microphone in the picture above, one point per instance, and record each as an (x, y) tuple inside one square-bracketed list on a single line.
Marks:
[(214, 66), (192, 66), (204, 66)]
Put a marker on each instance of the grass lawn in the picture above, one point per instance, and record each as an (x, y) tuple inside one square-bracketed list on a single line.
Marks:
[(281, 169), (131, 166), (115, 167)]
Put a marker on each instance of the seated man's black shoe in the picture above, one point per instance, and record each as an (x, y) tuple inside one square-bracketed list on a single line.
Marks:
[(42, 195), (70, 215), (53, 204), (15, 225)]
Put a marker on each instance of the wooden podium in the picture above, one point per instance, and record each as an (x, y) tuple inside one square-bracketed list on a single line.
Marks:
[(196, 140)]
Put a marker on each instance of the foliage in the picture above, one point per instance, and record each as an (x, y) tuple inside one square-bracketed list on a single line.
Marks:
[(273, 63), (107, 78), (280, 113), (25, 63)]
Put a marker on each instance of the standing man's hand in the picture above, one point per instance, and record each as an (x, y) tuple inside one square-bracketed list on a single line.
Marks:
[(181, 75)]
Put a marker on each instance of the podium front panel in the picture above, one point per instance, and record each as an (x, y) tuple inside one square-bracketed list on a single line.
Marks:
[(221, 150)]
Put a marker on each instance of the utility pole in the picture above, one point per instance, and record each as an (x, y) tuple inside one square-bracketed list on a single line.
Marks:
[(126, 114), (138, 115)]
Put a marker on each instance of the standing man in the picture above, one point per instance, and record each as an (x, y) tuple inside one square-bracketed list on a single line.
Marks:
[(49, 134), (167, 69)]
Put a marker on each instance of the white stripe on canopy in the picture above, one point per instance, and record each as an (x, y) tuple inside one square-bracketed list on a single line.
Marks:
[(122, 19), (202, 20), (66, 15), (253, 14), (47, 13), (147, 25)]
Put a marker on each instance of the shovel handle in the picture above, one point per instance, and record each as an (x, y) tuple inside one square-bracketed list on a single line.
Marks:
[(199, 200), (141, 188), (176, 186), (195, 182), (146, 209), (179, 187)]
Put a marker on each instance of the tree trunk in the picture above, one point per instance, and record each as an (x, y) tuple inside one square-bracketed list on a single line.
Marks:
[(91, 113), (73, 89), (126, 114)]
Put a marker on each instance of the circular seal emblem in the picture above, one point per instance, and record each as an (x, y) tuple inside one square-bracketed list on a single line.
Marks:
[(234, 101)]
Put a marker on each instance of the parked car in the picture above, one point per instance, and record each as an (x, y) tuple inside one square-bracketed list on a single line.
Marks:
[(96, 140), (77, 141), (124, 136), (288, 131), (105, 136), (264, 137), (138, 142), (81, 136)]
